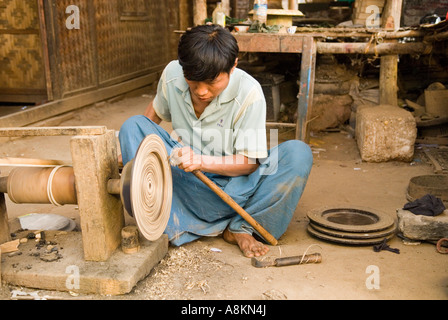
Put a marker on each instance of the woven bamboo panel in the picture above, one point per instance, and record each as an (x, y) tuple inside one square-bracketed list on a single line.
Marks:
[(132, 37), (21, 65), (75, 49), (18, 14), (21, 61)]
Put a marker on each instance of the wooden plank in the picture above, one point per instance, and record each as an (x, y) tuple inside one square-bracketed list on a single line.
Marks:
[(95, 163), (258, 42), (279, 43), (5, 236), (306, 90), (52, 131), (380, 49), (21, 162), (58, 107), (10, 246)]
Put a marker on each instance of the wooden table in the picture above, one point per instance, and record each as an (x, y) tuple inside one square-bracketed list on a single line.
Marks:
[(285, 43), (308, 45)]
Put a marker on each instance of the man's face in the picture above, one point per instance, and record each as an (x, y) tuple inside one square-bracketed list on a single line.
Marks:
[(206, 91)]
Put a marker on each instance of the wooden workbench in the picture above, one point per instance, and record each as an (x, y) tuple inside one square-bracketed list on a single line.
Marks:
[(308, 45)]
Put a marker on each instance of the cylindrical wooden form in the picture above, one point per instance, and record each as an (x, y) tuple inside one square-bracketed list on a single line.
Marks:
[(129, 239), (42, 185)]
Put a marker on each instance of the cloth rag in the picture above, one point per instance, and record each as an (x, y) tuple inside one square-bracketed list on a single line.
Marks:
[(428, 205)]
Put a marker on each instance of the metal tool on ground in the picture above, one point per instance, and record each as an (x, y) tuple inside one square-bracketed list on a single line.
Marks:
[(287, 261)]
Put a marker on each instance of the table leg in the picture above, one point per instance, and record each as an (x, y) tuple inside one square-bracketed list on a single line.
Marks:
[(306, 91)]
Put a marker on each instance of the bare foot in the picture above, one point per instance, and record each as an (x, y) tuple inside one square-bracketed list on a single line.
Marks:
[(247, 243)]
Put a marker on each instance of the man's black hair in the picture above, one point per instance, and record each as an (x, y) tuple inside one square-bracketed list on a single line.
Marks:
[(206, 51)]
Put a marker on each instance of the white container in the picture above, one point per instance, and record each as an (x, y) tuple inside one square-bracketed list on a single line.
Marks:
[(292, 29), (261, 10), (219, 16)]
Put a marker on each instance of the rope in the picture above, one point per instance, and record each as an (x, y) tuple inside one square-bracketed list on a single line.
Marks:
[(50, 195)]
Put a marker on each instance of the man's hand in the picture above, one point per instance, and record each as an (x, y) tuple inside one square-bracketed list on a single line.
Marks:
[(187, 160), (232, 166)]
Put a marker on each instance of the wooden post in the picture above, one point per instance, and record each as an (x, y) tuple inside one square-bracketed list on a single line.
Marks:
[(389, 63), (185, 14), (95, 163), (199, 12), (389, 80), (293, 5), (306, 90), (5, 236)]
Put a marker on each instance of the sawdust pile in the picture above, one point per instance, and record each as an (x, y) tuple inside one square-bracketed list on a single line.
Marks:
[(185, 273)]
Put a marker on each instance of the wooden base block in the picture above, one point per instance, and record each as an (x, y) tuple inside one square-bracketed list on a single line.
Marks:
[(4, 225), (70, 272)]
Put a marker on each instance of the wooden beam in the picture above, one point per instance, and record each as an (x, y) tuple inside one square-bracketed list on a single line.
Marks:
[(372, 49), (282, 43), (52, 131), (306, 90), (51, 109), (95, 163), (5, 236)]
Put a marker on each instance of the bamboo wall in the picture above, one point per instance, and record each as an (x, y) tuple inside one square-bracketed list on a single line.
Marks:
[(117, 40), (21, 60)]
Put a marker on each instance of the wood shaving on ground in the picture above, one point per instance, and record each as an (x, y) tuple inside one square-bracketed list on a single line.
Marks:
[(182, 274)]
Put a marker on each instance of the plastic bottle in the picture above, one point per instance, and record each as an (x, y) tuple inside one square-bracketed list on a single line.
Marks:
[(219, 16), (261, 10)]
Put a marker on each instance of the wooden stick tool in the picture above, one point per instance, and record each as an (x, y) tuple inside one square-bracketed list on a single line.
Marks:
[(232, 203)]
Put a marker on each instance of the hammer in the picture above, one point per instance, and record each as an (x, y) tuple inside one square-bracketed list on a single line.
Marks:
[(287, 261)]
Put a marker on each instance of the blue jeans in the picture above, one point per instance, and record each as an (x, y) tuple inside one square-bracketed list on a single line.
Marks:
[(270, 194)]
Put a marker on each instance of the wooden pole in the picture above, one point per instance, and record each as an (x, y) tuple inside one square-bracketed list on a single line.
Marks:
[(388, 48), (389, 63), (293, 5), (199, 12), (306, 90), (389, 80), (235, 206)]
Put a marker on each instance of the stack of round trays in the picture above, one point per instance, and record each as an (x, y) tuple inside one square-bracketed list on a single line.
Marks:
[(353, 226)]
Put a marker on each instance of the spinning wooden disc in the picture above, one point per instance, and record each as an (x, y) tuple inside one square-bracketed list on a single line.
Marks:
[(147, 187)]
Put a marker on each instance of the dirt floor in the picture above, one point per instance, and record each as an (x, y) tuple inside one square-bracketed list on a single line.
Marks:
[(215, 270)]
